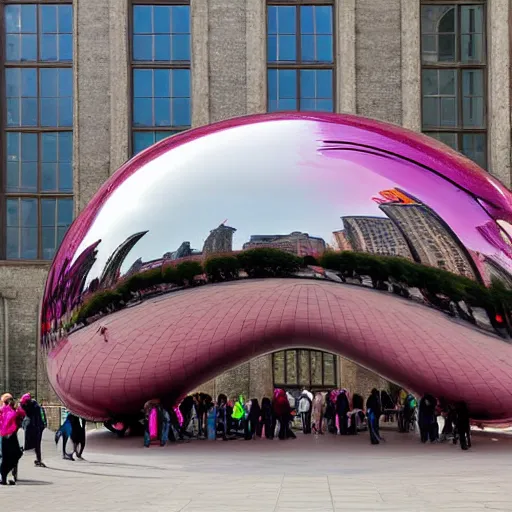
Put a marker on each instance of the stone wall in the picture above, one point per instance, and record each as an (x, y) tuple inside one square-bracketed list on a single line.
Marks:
[(22, 286), (378, 59)]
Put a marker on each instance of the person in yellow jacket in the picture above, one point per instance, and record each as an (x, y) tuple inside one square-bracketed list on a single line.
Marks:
[(239, 412)]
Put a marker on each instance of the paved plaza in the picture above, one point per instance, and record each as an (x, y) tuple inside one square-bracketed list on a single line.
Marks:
[(307, 474)]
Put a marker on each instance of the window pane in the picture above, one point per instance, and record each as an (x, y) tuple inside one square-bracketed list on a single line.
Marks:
[(438, 29), (281, 34), (304, 368), (282, 89), (278, 362), (473, 98), (474, 147), (55, 37), (56, 105), (161, 33), (143, 140), (142, 19), (439, 98), (329, 370), (316, 34), (291, 367), (472, 28), (316, 368), (21, 162), (316, 90), (450, 139), (21, 92)]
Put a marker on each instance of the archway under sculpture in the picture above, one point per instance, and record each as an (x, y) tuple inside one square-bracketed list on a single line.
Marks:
[(291, 183)]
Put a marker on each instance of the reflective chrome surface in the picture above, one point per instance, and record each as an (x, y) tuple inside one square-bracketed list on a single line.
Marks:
[(303, 184)]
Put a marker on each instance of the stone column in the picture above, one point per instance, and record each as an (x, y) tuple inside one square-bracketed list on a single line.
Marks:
[(199, 65), (345, 32), (498, 117), (91, 66), (120, 98), (256, 57), (378, 59), (411, 64), (227, 59)]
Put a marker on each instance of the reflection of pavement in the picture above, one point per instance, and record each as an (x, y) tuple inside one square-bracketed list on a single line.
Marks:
[(310, 474)]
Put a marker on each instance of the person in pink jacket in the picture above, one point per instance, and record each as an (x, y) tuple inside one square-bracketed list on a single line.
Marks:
[(11, 418)]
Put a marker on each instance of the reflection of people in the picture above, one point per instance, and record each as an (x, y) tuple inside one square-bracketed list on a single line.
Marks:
[(283, 414), (157, 423), (463, 425), (318, 412), (78, 435), (342, 408), (11, 418), (427, 419), (304, 409), (267, 421), (373, 411), (73, 428), (33, 425)]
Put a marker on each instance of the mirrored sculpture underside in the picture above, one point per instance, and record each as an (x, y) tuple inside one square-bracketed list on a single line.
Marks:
[(125, 320)]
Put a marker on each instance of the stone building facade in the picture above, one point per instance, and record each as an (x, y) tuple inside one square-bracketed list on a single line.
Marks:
[(377, 69)]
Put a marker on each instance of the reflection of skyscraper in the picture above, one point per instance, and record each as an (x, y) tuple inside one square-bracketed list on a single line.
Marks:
[(297, 243), (375, 235), (496, 272), (431, 240), (342, 241), (220, 240), (183, 251), (114, 263)]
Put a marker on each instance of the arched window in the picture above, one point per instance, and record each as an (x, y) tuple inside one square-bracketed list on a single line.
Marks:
[(453, 55), (312, 369)]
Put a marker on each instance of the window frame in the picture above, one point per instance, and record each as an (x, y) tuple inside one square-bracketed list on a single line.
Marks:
[(134, 64), (309, 384), (38, 130), (459, 130), (299, 66)]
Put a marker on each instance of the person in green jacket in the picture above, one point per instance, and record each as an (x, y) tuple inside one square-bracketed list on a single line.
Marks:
[(239, 412)]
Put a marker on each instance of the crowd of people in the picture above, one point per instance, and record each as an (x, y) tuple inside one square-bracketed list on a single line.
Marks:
[(199, 416), (335, 412)]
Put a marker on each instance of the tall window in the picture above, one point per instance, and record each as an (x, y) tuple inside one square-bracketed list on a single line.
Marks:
[(160, 72), (453, 54), (36, 128), (304, 368), (300, 56)]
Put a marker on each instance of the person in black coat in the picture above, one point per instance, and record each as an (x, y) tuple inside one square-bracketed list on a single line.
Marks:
[(266, 419), (373, 412), (253, 419), (330, 412), (186, 407), (427, 420), (33, 425), (342, 408), (463, 425)]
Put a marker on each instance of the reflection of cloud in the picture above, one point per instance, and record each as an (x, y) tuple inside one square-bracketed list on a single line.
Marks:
[(180, 197)]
